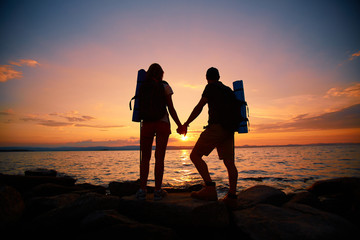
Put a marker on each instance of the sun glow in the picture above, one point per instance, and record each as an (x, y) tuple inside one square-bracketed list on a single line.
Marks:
[(184, 138)]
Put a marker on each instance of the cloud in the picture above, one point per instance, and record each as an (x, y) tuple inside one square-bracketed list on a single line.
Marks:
[(25, 62), (73, 118), (99, 126), (341, 119), (352, 91), (79, 119), (109, 143), (192, 86), (7, 112), (52, 123), (7, 73), (46, 122), (354, 56)]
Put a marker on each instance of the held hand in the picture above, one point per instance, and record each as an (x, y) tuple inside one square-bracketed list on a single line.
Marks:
[(182, 130)]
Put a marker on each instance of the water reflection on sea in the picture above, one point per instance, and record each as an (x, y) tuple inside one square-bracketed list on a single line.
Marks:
[(287, 168)]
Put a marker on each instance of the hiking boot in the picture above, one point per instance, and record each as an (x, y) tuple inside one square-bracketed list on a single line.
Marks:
[(230, 201), (159, 194), (208, 193), (141, 194)]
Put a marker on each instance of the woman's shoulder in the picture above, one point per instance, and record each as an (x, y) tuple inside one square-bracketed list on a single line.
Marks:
[(168, 89)]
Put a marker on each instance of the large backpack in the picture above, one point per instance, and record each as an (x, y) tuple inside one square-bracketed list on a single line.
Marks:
[(152, 101), (231, 113)]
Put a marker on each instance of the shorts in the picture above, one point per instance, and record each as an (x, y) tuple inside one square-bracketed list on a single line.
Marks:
[(215, 136), (159, 128)]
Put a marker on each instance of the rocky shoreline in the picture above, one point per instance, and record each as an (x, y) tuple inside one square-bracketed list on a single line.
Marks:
[(44, 205)]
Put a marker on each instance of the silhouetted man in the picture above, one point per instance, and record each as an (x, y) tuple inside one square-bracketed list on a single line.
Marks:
[(214, 136)]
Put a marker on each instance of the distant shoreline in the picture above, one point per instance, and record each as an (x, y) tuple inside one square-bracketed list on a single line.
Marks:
[(137, 147)]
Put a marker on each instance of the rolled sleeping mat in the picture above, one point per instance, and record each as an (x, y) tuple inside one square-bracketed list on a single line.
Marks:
[(238, 87), (140, 79)]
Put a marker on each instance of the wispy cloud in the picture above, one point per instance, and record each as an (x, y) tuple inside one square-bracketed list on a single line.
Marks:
[(73, 118), (341, 119), (352, 91), (99, 126), (192, 86), (25, 62), (354, 56), (7, 72), (7, 112), (115, 142)]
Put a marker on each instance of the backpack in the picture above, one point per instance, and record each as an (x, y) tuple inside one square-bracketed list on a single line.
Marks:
[(152, 101), (231, 112)]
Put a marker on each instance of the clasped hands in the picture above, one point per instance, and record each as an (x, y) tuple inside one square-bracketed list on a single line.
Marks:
[(182, 129)]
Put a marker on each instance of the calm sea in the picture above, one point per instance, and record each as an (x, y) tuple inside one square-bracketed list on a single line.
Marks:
[(288, 168)]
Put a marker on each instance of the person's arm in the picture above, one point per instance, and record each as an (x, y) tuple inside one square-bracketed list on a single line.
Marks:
[(172, 110), (196, 112)]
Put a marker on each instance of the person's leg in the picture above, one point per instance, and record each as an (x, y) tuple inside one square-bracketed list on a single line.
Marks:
[(233, 175), (146, 140), (207, 193), (162, 137), (226, 152), (204, 146), (201, 166), (161, 144)]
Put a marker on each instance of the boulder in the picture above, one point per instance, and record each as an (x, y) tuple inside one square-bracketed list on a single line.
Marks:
[(304, 197), (261, 194), (125, 188), (104, 218), (39, 205), (128, 188), (69, 216), (51, 189), (336, 186), (11, 206), (177, 210), (340, 196), (24, 183), (296, 222), (109, 223), (42, 172)]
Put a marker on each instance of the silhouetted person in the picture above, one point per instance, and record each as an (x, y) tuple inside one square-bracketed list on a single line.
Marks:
[(214, 136), (154, 100)]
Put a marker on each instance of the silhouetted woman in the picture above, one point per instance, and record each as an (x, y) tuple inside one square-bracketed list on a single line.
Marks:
[(157, 90)]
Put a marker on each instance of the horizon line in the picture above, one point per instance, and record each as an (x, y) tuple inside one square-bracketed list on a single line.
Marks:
[(137, 147)]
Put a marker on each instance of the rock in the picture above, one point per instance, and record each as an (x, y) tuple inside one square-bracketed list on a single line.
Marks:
[(261, 194), (104, 218), (51, 189), (296, 222), (24, 183), (340, 196), (140, 231), (42, 172), (39, 205), (70, 215), (305, 197), (177, 210), (335, 186), (126, 188), (11, 206)]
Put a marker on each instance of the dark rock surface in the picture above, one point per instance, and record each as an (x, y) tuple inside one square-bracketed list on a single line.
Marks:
[(261, 194), (295, 221), (46, 205)]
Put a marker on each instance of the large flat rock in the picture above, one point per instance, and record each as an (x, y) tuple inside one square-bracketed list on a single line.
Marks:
[(176, 210), (295, 222)]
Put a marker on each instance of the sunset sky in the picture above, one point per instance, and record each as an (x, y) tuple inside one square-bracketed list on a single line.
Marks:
[(68, 68)]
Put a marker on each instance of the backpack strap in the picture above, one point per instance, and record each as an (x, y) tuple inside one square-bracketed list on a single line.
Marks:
[(133, 98)]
